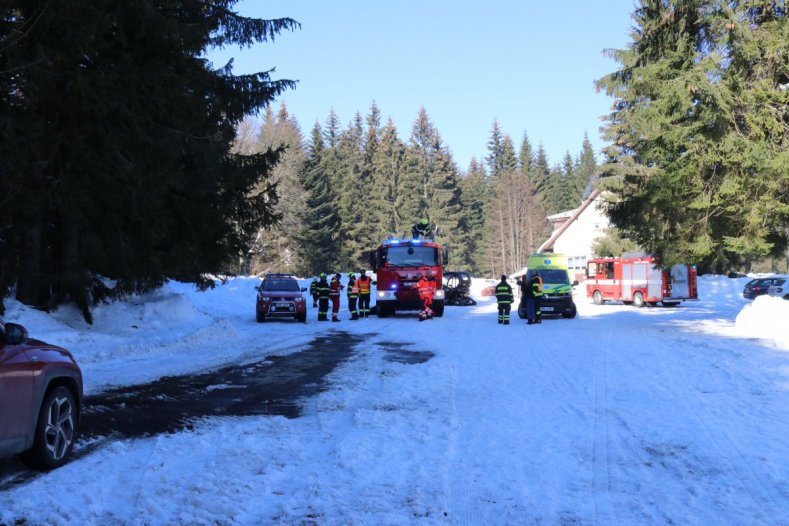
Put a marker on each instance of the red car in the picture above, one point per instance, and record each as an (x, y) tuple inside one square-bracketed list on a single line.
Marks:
[(40, 399), (279, 296)]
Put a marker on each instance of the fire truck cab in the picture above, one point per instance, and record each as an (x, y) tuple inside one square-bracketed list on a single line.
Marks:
[(639, 281), (397, 262)]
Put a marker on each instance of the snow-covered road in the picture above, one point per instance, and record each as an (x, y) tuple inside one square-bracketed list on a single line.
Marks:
[(620, 416)]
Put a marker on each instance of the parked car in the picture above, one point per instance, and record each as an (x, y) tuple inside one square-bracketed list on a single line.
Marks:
[(780, 287), (757, 287), (279, 296), (40, 399)]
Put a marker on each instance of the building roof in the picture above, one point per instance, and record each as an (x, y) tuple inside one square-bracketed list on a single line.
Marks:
[(548, 245)]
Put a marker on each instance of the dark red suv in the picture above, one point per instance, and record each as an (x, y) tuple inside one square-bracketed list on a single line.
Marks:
[(279, 296), (40, 399)]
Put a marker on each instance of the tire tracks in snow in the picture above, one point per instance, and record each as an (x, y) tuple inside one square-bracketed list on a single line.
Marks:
[(769, 503), (604, 511)]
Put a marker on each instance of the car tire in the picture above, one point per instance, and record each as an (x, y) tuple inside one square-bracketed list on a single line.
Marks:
[(438, 309), (638, 299), (570, 315), (302, 318), (259, 317), (597, 297), (56, 431)]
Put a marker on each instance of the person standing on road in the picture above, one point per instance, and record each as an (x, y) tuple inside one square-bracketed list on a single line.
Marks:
[(353, 296), (314, 291), (504, 299), (527, 293), (323, 298), (536, 286), (334, 296), (426, 287), (364, 283)]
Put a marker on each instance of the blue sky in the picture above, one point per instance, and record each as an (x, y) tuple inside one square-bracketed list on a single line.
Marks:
[(530, 64)]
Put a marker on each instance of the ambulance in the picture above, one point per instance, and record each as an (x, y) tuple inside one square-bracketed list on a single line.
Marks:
[(557, 299)]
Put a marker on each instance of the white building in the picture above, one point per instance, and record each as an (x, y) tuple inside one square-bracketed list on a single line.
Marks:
[(575, 231)]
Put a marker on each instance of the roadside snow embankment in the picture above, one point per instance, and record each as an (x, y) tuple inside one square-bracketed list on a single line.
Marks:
[(766, 318)]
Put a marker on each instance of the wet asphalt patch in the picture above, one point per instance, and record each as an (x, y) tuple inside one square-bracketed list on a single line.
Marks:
[(397, 352), (274, 386)]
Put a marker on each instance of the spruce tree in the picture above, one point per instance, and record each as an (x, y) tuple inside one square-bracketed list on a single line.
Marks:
[(387, 191), (117, 138), (474, 196), (494, 159), (321, 217), (697, 166)]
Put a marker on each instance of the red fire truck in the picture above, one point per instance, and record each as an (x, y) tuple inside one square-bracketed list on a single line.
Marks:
[(397, 263), (638, 281)]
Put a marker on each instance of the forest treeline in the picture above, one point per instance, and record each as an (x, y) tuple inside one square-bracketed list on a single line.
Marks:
[(125, 159), (344, 189)]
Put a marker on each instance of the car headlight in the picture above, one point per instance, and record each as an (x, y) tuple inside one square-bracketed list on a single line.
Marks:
[(265, 298), (439, 295), (386, 295)]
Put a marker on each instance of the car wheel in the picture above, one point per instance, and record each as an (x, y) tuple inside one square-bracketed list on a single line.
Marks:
[(597, 297), (56, 431), (571, 314), (786, 297), (260, 318), (438, 309), (302, 318), (638, 299)]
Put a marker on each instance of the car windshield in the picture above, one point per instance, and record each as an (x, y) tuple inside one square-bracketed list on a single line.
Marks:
[(288, 285), (554, 276), (410, 256)]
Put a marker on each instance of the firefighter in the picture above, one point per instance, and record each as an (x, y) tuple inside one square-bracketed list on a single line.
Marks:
[(334, 296), (314, 291), (421, 229), (322, 288), (536, 286), (364, 283), (426, 287), (353, 296), (504, 299)]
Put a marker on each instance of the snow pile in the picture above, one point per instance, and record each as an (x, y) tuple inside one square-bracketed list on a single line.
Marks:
[(766, 318)]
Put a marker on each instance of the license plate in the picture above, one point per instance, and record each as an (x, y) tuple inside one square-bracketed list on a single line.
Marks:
[(282, 307), (546, 309)]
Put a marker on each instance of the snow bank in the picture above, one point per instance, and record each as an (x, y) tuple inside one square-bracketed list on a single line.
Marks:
[(767, 318)]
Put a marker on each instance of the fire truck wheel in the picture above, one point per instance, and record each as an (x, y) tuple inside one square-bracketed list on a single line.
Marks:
[(597, 297), (638, 299)]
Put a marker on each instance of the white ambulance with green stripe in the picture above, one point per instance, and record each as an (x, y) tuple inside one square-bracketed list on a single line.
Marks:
[(557, 299)]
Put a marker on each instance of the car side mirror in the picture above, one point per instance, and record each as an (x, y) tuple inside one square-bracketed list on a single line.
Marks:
[(575, 283), (15, 333), (257, 287)]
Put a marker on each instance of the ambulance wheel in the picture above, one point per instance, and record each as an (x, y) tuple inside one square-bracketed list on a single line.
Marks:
[(521, 311), (571, 314), (597, 297), (638, 299)]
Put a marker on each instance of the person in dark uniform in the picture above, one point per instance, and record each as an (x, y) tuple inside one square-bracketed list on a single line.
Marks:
[(314, 291), (421, 229), (536, 286), (323, 298), (504, 299), (353, 296)]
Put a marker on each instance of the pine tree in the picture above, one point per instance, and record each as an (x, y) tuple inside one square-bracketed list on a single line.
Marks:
[(585, 167), (525, 156), (139, 183), (494, 159), (321, 217), (474, 196), (387, 189), (697, 166), (352, 206)]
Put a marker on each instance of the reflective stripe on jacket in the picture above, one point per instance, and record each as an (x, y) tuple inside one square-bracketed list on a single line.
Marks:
[(503, 293), (364, 283)]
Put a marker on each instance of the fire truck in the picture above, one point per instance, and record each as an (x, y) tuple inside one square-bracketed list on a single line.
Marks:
[(639, 281), (397, 263)]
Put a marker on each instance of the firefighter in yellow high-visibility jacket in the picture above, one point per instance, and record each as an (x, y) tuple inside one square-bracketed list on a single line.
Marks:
[(504, 299)]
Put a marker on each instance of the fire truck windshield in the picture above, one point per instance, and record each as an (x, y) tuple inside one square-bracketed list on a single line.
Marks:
[(409, 256)]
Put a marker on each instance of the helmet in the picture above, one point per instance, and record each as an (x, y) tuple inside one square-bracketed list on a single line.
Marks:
[(350, 274), (423, 221), (503, 277), (323, 274)]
